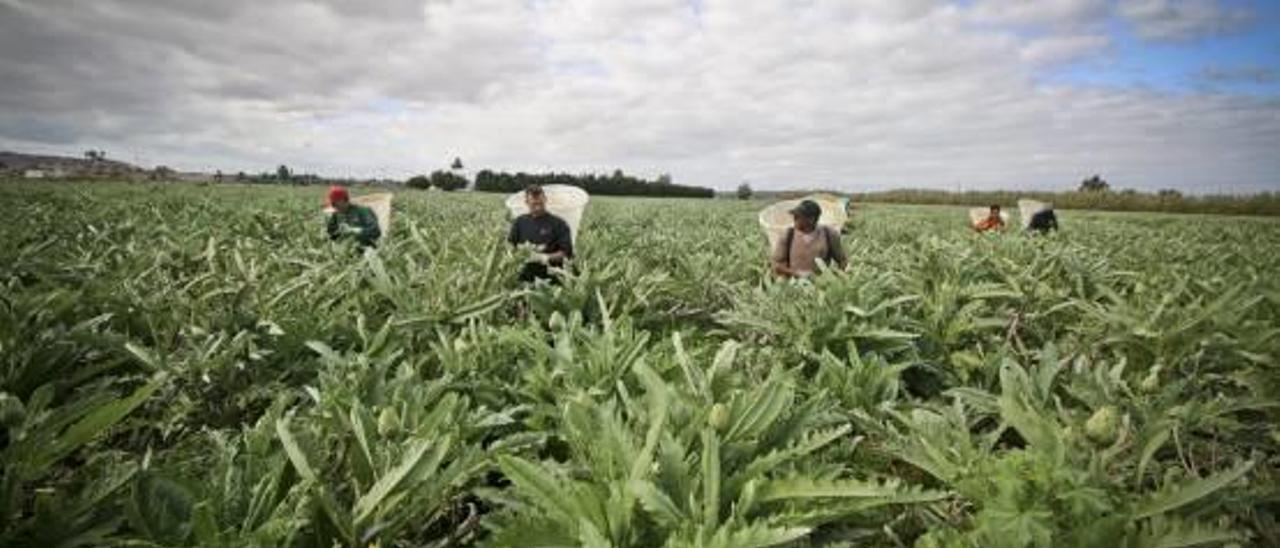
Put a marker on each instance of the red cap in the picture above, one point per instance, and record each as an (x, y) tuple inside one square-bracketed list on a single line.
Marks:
[(338, 194)]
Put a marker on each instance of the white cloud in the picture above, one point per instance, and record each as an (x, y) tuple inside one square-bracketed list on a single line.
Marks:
[(869, 93), (1058, 49), (1173, 20)]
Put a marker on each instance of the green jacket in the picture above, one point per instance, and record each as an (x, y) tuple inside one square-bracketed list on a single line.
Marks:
[(358, 217)]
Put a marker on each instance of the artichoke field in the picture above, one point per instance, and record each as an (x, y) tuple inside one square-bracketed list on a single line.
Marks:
[(200, 366)]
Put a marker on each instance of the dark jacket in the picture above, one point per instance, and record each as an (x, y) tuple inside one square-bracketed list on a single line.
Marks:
[(359, 217), (549, 233)]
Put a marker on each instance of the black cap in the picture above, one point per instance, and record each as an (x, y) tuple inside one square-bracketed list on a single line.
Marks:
[(808, 209)]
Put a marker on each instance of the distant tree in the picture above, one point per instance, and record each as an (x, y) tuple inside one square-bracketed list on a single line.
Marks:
[(418, 181), (1094, 184), (95, 155), (445, 180), (283, 173), (218, 176), (744, 191), (161, 173), (240, 176), (1169, 194), (664, 179), (615, 184), (457, 164)]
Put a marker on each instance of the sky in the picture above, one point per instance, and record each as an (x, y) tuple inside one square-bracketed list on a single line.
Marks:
[(851, 95)]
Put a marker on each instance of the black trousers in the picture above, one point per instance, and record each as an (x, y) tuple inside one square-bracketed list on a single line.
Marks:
[(532, 272)]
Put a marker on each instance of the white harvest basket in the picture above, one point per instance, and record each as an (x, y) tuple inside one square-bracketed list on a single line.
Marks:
[(1028, 208), (776, 219), (977, 214)]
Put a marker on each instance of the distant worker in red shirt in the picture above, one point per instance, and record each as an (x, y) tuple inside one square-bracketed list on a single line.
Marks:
[(992, 222)]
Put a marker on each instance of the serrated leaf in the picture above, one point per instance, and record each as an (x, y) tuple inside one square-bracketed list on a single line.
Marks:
[(1190, 492)]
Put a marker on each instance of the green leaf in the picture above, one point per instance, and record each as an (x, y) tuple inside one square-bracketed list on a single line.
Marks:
[(1151, 445), (542, 488), (327, 354), (160, 509), (1190, 492), (660, 507), (95, 423), (370, 502), (756, 535), (590, 537), (809, 488), (1177, 533), (759, 409), (205, 526), (773, 459), (710, 478), (301, 464), (294, 451), (145, 356)]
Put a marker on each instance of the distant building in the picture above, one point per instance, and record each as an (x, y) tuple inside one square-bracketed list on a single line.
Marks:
[(193, 177), (44, 172)]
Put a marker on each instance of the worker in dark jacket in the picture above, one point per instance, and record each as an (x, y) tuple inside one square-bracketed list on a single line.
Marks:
[(350, 220), (1043, 222), (549, 234)]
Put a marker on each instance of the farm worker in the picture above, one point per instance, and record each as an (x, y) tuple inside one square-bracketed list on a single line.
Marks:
[(796, 254), (351, 220), (992, 222), (1043, 221), (548, 234)]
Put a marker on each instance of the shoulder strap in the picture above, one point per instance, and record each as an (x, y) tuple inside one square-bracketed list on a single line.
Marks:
[(786, 254), (831, 251)]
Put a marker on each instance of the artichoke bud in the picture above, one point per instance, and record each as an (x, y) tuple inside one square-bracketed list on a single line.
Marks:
[(388, 421), (1103, 426), (719, 417)]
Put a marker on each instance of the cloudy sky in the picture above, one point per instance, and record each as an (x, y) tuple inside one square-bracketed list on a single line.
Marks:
[(850, 94)]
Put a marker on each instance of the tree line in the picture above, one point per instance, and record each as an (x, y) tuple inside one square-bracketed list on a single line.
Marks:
[(616, 184), (443, 180)]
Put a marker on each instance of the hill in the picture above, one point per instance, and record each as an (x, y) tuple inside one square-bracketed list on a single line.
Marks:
[(17, 164)]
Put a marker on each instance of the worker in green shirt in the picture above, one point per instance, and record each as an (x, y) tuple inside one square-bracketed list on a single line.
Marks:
[(350, 220)]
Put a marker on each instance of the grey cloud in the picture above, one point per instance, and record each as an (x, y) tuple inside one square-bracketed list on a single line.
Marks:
[(1045, 13), (1248, 74), (1178, 20), (37, 130)]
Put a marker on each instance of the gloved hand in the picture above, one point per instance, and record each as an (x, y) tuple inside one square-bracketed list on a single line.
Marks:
[(540, 258), (352, 229)]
